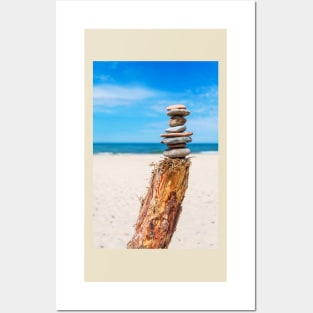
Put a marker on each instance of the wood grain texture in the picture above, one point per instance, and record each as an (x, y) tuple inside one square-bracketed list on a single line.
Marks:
[(161, 207)]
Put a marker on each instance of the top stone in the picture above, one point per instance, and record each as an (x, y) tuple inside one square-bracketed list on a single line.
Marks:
[(176, 106)]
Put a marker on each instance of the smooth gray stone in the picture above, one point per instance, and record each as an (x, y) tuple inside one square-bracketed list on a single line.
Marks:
[(180, 112), (176, 129), (172, 140), (176, 153)]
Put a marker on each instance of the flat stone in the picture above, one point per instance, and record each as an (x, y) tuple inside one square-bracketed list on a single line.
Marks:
[(177, 121), (180, 112), (176, 153), (185, 134), (176, 106), (177, 145), (174, 140), (176, 129)]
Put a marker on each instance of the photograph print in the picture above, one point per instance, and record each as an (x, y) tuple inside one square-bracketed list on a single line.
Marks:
[(155, 156)]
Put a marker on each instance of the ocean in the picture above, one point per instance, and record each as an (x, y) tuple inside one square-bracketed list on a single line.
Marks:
[(144, 148)]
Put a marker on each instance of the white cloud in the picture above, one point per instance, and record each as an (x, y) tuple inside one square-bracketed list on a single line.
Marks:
[(211, 92), (204, 128), (114, 95), (107, 96), (103, 78), (203, 100), (156, 127), (160, 106)]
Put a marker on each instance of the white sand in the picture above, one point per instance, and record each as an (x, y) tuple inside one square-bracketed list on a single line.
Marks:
[(119, 181)]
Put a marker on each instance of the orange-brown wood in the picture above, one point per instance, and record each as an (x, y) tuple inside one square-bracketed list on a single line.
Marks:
[(162, 205)]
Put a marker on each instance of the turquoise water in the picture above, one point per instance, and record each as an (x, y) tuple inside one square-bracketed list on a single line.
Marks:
[(143, 148)]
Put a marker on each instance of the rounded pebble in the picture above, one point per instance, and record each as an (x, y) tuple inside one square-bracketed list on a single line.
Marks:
[(177, 121), (180, 112), (176, 153), (177, 145), (186, 134), (175, 129), (175, 140), (176, 106)]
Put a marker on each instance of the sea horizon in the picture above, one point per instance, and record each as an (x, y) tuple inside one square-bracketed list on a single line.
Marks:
[(147, 148)]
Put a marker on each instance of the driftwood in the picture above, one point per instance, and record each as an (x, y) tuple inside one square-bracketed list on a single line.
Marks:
[(162, 205)]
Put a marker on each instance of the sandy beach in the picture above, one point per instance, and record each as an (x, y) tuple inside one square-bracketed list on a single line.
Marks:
[(120, 180)]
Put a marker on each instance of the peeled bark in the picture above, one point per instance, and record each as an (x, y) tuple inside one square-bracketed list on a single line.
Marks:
[(162, 205)]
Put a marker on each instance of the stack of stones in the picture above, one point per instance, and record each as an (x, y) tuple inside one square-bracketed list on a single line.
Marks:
[(176, 137)]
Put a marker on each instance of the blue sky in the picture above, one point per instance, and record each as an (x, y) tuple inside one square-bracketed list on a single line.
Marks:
[(130, 99)]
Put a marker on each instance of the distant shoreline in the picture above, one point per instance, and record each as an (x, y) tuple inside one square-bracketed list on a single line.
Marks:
[(148, 148), (156, 154)]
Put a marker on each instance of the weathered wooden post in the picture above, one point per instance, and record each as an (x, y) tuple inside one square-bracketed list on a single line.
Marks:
[(162, 205)]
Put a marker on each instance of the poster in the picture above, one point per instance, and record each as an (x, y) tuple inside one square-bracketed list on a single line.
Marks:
[(104, 32)]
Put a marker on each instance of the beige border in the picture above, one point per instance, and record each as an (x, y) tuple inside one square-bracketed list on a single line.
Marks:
[(155, 265)]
